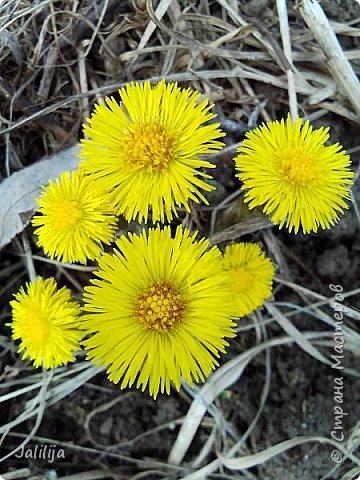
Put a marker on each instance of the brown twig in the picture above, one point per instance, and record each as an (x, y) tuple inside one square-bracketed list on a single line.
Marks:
[(22, 103)]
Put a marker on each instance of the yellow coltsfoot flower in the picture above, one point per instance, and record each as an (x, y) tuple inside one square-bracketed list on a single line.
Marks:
[(159, 310), (148, 149), (300, 182), (45, 320), (251, 275), (75, 217)]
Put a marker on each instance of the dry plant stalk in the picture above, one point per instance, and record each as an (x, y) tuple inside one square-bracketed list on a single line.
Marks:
[(285, 36), (335, 58)]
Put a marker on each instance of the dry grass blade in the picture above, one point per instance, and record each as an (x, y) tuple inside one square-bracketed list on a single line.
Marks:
[(9, 39), (351, 474), (53, 395), (236, 72), (295, 334), (261, 457), (241, 22), (151, 27), (20, 391), (240, 229), (56, 393), (216, 464), (285, 35), (16, 474), (217, 383), (350, 312), (89, 475), (40, 399), (335, 58)]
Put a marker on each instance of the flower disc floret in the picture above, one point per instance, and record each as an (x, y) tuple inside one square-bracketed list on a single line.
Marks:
[(160, 307), (45, 320), (148, 149), (158, 310), (300, 182)]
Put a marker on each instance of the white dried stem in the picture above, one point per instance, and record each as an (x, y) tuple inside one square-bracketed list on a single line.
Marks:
[(286, 41), (335, 58)]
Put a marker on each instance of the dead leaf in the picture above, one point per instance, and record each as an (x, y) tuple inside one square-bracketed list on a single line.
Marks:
[(18, 193)]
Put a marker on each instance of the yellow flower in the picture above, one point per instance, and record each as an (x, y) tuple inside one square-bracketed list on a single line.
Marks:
[(45, 319), (159, 310), (251, 275), (75, 216), (299, 181), (148, 149)]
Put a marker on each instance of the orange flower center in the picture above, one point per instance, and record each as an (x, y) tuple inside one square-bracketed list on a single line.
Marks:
[(160, 307), (299, 167), (242, 279), (67, 214), (149, 147)]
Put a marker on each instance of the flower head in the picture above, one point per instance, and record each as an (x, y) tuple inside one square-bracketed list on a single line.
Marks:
[(147, 149), (300, 182), (75, 216), (251, 275), (45, 319), (159, 310)]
